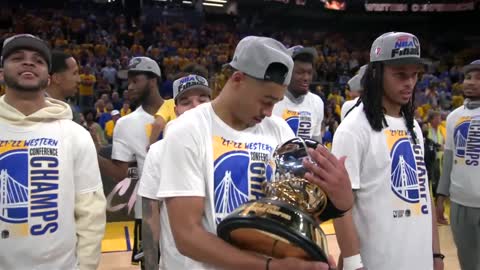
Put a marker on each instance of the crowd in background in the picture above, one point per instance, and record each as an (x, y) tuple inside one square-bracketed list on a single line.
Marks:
[(104, 43)]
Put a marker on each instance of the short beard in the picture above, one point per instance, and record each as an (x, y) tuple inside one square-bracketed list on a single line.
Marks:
[(13, 84), (142, 98), (471, 97)]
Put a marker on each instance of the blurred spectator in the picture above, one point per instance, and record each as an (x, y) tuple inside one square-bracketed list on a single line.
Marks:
[(109, 73), (87, 81), (110, 125), (125, 108), (94, 128), (106, 116), (116, 101)]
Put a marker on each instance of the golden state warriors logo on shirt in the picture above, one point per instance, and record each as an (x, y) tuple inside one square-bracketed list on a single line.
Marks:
[(240, 169), (408, 173), (28, 187), (466, 137), (300, 122)]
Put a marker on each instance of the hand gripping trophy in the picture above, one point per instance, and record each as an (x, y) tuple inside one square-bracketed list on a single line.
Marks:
[(286, 222)]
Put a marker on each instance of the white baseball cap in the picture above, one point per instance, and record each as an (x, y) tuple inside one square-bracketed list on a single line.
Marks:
[(144, 64), (475, 65), (355, 83), (114, 112), (299, 49), (255, 55), (396, 48), (184, 84)]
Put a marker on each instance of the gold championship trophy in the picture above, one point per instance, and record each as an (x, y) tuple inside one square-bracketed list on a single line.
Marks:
[(286, 222)]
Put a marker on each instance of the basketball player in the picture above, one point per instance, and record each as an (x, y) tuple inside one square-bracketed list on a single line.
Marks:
[(52, 213), (392, 224), (302, 110), (459, 179), (64, 79), (166, 113), (356, 88), (230, 139), (188, 92), (131, 133)]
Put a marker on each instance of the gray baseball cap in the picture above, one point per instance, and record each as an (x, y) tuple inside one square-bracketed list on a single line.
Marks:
[(255, 55), (299, 49), (144, 64), (184, 84), (355, 83), (396, 48), (26, 41), (475, 65)]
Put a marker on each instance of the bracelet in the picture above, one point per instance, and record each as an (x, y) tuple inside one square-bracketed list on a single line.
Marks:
[(439, 256), (353, 262), (268, 263)]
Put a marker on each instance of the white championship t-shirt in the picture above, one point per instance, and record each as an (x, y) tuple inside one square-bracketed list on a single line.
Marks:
[(130, 142), (242, 161), (304, 114), (347, 106), (42, 169), (463, 138), (392, 211)]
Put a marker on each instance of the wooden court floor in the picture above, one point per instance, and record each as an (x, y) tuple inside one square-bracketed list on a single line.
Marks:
[(120, 260)]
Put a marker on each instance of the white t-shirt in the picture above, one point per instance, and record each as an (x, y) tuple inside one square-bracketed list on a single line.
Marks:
[(347, 105), (463, 138), (42, 169), (304, 114), (392, 211), (130, 142), (242, 161)]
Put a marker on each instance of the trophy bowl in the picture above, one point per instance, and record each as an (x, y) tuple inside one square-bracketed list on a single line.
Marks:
[(286, 222)]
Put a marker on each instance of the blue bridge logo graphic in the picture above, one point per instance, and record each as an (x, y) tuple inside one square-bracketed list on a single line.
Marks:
[(460, 135), (14, 186), (293, 123), (230, 182), (404, 180)]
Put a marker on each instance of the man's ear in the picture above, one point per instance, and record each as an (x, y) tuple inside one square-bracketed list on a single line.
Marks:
[(176, 111), (54, 79)]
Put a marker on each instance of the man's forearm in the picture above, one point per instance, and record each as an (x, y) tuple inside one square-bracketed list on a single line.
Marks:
[(108, 167), (203, 246), (444, 182), (347, 236), (150, 232), (435, 237), (90, 220)]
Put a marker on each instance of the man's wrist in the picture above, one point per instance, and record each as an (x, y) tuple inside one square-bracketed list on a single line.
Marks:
[(439, 256)]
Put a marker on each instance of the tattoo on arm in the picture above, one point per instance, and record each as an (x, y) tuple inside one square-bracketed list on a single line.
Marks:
[(150, 233)]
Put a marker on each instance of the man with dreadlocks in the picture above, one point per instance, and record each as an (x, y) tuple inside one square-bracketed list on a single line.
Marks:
[(459, 178), (392, 224)]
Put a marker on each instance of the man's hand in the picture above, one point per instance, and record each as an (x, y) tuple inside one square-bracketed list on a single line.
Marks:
[(330, 175), (297, 264), (441, 210), (438, 264)]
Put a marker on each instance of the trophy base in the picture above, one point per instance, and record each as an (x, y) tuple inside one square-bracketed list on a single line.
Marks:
[(276, 229)]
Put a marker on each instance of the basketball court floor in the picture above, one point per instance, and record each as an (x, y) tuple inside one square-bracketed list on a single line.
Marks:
[(118, 242)]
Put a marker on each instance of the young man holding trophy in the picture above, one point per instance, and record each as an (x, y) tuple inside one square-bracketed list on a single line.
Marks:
[(219, 156)]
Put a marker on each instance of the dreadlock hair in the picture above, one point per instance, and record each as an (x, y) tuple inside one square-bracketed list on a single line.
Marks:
[(372, 97)]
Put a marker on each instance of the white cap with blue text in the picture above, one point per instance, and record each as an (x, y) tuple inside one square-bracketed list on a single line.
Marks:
[(396, 48), (184, 84), (255, 56)]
